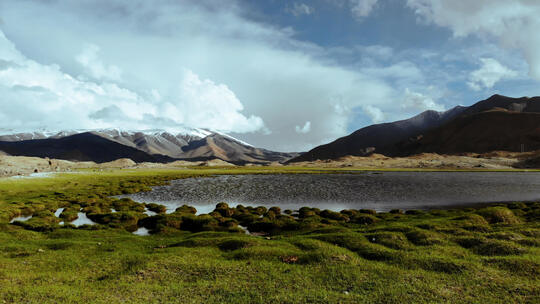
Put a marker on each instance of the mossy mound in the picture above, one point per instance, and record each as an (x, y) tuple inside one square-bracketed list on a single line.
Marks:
[(117, 219), (126, 204), (375, 252), (368, 211), (234, 244), (274, 225), (305, 212), (337, 216), (440, 264), (424, 237), (499, 215), (494, 247), (277, 251), (506, 236), (351, 241), (358, 217), (158, 222), (490, 247), (42, 221), (157, 208), (196, 223), (224, 210), (519, 266), (394, 240), (473, 222), (186, 209), (307, 244), (70, 214)]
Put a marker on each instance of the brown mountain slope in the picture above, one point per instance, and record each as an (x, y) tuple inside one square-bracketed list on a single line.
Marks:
[(191, 144), (530, 162), (403, 137), (522, 104), (158, 142), (379, 138), (230, 150), (492, 130), (79, 147)]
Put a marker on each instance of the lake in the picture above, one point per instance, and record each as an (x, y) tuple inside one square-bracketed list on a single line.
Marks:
[(381, 191)]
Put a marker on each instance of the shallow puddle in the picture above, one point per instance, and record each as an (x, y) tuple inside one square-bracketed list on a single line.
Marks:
[(82, 220), (142, 231), (20, 219), (58, 212), (150, 213)]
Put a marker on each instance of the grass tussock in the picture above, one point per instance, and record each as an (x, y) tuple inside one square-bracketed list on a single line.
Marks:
[(499, 215)]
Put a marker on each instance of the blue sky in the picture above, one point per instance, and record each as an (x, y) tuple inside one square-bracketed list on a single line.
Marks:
[(283, 75)]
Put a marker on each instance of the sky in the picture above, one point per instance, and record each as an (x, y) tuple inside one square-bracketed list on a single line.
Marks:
[(281, 75)]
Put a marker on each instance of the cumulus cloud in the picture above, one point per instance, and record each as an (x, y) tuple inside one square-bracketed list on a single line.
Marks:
[(419, 102), (299, 9), (43, 96), (89, 59), (374, 113), (305, 129), (362, 8), (513, 24), (490, 72), (209, 105)]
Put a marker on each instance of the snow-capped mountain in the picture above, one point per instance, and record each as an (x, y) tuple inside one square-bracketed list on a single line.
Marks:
[(157, 145)]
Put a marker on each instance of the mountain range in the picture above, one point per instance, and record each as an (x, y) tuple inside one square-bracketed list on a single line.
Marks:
[(497, 123), (140, 146)]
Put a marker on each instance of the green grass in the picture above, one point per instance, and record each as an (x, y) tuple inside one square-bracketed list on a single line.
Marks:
[(486, 255)]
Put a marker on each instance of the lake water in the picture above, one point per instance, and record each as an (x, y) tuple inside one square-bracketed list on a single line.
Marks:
[(381, 191)]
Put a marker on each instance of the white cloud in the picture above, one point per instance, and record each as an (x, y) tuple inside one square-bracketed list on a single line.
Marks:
[(299, 9), (89, 59), (210, 105), (362, 8), (305, 129), (43, 96), (514, 24), (489, 74), (374, 113), (419, 102)]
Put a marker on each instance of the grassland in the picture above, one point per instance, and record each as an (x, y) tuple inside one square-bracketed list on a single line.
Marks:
[(486, 255)]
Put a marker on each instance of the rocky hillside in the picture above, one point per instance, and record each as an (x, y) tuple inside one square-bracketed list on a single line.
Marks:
[(497, 123)]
